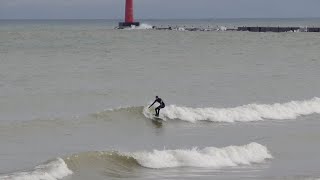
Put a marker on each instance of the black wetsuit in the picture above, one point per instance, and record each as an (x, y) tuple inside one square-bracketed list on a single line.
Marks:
[(162, 105)]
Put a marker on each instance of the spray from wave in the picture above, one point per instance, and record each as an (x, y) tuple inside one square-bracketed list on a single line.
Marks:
[(245, 113), (222, 28), (52, 170), (141, 27)]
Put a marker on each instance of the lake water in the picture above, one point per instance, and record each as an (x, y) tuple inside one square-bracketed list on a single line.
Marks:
[(239, 105)]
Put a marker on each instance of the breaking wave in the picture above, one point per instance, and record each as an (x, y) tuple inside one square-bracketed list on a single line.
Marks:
[(208, 157), (211, 157), (245, 113), (126, 164), (52, 170)]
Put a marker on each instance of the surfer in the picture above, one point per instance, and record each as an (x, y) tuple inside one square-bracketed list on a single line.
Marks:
[(162, 105)]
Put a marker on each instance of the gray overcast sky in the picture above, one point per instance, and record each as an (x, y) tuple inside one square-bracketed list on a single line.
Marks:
[(157, 9)]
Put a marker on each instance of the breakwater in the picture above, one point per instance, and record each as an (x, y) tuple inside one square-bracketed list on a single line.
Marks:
[(279, 29), (223, 28), (244, 28)]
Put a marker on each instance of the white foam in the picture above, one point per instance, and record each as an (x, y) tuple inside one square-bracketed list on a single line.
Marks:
[(245, 113), (181, 29), (149, 113), (303, 29), (141, 27), (208, 157), (222, 28), (53, 170)]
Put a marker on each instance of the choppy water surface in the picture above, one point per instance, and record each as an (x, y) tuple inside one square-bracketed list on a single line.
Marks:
[(240, 105)]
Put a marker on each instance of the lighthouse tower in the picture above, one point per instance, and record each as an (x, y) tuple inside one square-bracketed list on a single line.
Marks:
[(129, 19)]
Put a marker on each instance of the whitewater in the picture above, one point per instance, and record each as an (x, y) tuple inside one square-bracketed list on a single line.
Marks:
[(53, 170), (209, 157), (245, 113)]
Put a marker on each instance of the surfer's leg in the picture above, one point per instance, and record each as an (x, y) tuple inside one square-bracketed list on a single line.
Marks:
[(157, 111), (159, 108)]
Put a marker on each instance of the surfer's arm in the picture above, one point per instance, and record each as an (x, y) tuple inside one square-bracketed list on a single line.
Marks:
[(152, 104)]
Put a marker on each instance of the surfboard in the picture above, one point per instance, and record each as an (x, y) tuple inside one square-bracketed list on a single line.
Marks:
[(157, 118), (150, 113)]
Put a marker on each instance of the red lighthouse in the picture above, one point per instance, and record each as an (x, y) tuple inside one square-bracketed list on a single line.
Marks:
[(129, 20)]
